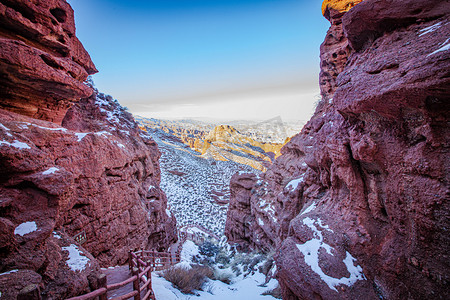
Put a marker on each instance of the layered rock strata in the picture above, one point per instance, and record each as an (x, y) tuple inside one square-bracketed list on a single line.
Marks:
[(81, 191), (42, 62), (225, 142), (358, 200)]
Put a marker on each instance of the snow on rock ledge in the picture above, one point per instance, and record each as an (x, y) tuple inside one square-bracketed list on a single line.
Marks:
[(25, 228), (76, 261)]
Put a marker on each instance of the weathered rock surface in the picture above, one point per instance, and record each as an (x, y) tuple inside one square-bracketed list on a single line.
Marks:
[(94, 175), (239, 216), (225, 142), (97, 175), (358, 200), (338, 5), (42, 62), (219, 142), (334, 52)]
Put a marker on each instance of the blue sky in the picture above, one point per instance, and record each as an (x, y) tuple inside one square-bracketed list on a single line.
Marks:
[(234, 59)]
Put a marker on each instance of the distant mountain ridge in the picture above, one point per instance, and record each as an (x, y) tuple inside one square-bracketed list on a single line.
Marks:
[(253, 145)]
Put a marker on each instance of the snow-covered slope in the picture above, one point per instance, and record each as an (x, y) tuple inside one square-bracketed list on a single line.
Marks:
[(197, 188), (245, 286)]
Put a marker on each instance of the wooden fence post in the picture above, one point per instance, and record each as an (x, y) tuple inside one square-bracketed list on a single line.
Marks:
[(149, 277), (153, 261), (102, 282), (130, 261), (30, 292), (136, 283)]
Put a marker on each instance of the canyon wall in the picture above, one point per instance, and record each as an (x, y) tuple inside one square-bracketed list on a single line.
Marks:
[(43, 64), (356, 207), (79, 181)]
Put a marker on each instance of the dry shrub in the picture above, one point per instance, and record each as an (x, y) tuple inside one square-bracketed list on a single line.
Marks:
[(224, 276), (188, 280)]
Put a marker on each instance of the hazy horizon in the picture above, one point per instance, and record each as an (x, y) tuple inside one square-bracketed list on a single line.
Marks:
[(226, 60)]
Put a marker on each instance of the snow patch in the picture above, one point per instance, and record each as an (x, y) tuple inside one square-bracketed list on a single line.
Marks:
[(49, 128), (56, 235), (120, 145), (293, 184), (76, 261), (81, 135), (241, 172), (260, 222), (326, 227), (189, 250), (310, 251), (429, 29), (50, 171), (102, 133), (15, 144), (6, 129), (9, 272), (310, 208), (25, 228), (444, 47)]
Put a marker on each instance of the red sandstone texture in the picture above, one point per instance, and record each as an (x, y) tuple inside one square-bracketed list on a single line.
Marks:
[(357, 206), (93, 173), (98, 174), (334, 52), (42, 63)]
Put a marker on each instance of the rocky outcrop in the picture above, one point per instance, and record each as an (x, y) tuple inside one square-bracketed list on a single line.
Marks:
[(358, 198), (220, 143), (225, 142), (335, 49), (42, 63), (97, 175), (239, 216), (76, 193)]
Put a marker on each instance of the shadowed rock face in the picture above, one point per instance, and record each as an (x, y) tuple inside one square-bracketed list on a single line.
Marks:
[(358, 198), (94, 173), (42, 63)]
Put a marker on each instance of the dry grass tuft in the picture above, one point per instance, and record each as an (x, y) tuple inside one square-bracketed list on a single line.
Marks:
[(188, 280)]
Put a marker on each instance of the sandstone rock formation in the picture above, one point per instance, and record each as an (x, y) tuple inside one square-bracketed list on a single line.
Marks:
[(341, 6), (42, 63), (221, 142), (97, 175), (224, 142), (335, 50), (356, 206), (94, 174)]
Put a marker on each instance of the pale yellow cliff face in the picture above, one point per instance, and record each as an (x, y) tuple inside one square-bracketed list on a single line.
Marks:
[(339, 5)]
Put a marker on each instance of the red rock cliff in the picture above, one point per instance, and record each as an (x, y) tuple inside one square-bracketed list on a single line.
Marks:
[(91, 171), (358, 201), (42, 63)]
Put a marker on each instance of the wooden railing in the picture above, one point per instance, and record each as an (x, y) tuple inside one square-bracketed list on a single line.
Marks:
[(207, 232), (141, 264)]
